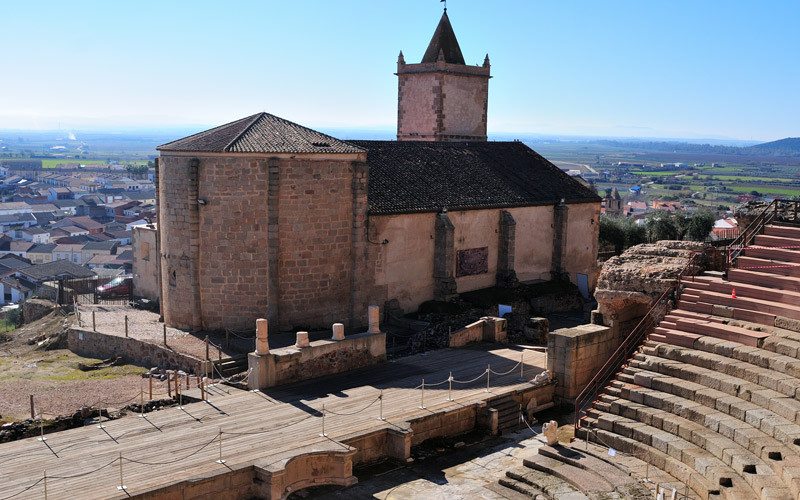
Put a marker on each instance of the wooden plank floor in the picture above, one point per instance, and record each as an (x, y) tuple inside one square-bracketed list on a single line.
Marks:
[(174, 445)]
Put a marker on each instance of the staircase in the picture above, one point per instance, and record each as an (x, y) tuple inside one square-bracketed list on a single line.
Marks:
[(508, 413), (713, 395), (574, 473)]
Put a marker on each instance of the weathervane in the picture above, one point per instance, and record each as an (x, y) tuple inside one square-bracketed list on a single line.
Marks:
[(445, 4)]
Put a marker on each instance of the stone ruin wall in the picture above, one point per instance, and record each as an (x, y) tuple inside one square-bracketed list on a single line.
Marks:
[(630, 282)]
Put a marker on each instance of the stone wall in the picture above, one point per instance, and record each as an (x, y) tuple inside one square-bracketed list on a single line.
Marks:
[(145, 262), (102, 346), (574, 355), (322, 357), (630, 282), (244, 237), (403, 268), (485, 330), (33, 309)]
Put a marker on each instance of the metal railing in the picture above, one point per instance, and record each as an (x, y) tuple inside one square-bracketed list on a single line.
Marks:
[(767, 216), (658, 309)]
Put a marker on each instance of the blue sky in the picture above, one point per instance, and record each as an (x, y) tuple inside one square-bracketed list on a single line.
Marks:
[(693, 69)]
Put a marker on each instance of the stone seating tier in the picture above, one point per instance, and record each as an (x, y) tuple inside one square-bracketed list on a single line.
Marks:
[(713, 396)]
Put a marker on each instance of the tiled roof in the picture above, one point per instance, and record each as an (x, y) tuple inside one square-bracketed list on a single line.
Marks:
[(261, 133), (418, 176), (444, 40), (20, 284), (55, 269), (101, 245)]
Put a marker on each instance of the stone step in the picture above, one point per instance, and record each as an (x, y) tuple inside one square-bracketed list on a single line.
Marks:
[(549, 486), (765, 279), (767, 410), (708, 283), (578, 458), (778, 267), (769, 240), (719, 330), (784, 231), (676, 337), (696, 481), (725, 363), (584, 480), (784, 255), (635, 420), (766, 306)]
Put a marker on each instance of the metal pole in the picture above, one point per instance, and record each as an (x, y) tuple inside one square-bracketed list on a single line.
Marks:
[(150, 378), (381, 406), (422, 396), (33, 408), (121, 486), (94, 325), (450, 387), (100, 418), (126, 326), (488, 377), (41, 429), (141, 402), (323, 434), (165, 333), (169, 385), (220, 461), (207, 357), (45, 485)]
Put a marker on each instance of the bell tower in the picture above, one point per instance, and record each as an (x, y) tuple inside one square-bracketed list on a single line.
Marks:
[(441, 98)]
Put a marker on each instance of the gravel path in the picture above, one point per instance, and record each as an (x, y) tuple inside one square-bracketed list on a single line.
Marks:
[(144, 325)]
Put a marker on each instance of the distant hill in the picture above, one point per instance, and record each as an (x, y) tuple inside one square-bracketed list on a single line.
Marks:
[(784, 147)]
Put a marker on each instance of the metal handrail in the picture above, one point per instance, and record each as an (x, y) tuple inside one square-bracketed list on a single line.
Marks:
[(632, 342), (769, 214)]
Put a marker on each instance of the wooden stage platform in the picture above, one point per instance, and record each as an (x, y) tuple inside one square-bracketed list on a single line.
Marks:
[(175, 445)]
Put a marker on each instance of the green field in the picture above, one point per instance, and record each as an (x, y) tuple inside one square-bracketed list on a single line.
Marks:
[(747, 189), (746, 178), (51, 163), (654, 174)]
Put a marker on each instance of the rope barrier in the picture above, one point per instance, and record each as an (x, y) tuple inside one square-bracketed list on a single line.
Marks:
[(509, 371), (484, 372), (271, 429), (23, 491), (86, 473), (176, 460), (355, 412)]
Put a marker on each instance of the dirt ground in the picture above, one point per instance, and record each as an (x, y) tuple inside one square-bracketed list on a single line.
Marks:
[(53, 377)]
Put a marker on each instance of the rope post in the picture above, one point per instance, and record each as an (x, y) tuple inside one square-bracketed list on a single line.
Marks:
[(197, 373), (488, 377), (522, 367), (180, 400), (381, 406), (150, 380), (188, 381), (121, 486), (220, 461), (323, 434), (450, 387), (33, 408), (45, 484), (207, 357), (219, 355), (141, 402), (41, 429), (169, 385), (126, 326), (100, 418), (202, 391), (164, 329), (422, 396), (94, 324)]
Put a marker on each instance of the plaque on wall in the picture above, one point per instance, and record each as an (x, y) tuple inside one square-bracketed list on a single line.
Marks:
[(472, 261)]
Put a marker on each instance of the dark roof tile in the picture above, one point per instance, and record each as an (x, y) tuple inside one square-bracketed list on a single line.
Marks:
[(444, 41), (261, 133), (418, 176)]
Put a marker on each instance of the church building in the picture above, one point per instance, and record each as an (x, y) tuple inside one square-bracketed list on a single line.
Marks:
[(262, 217)]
